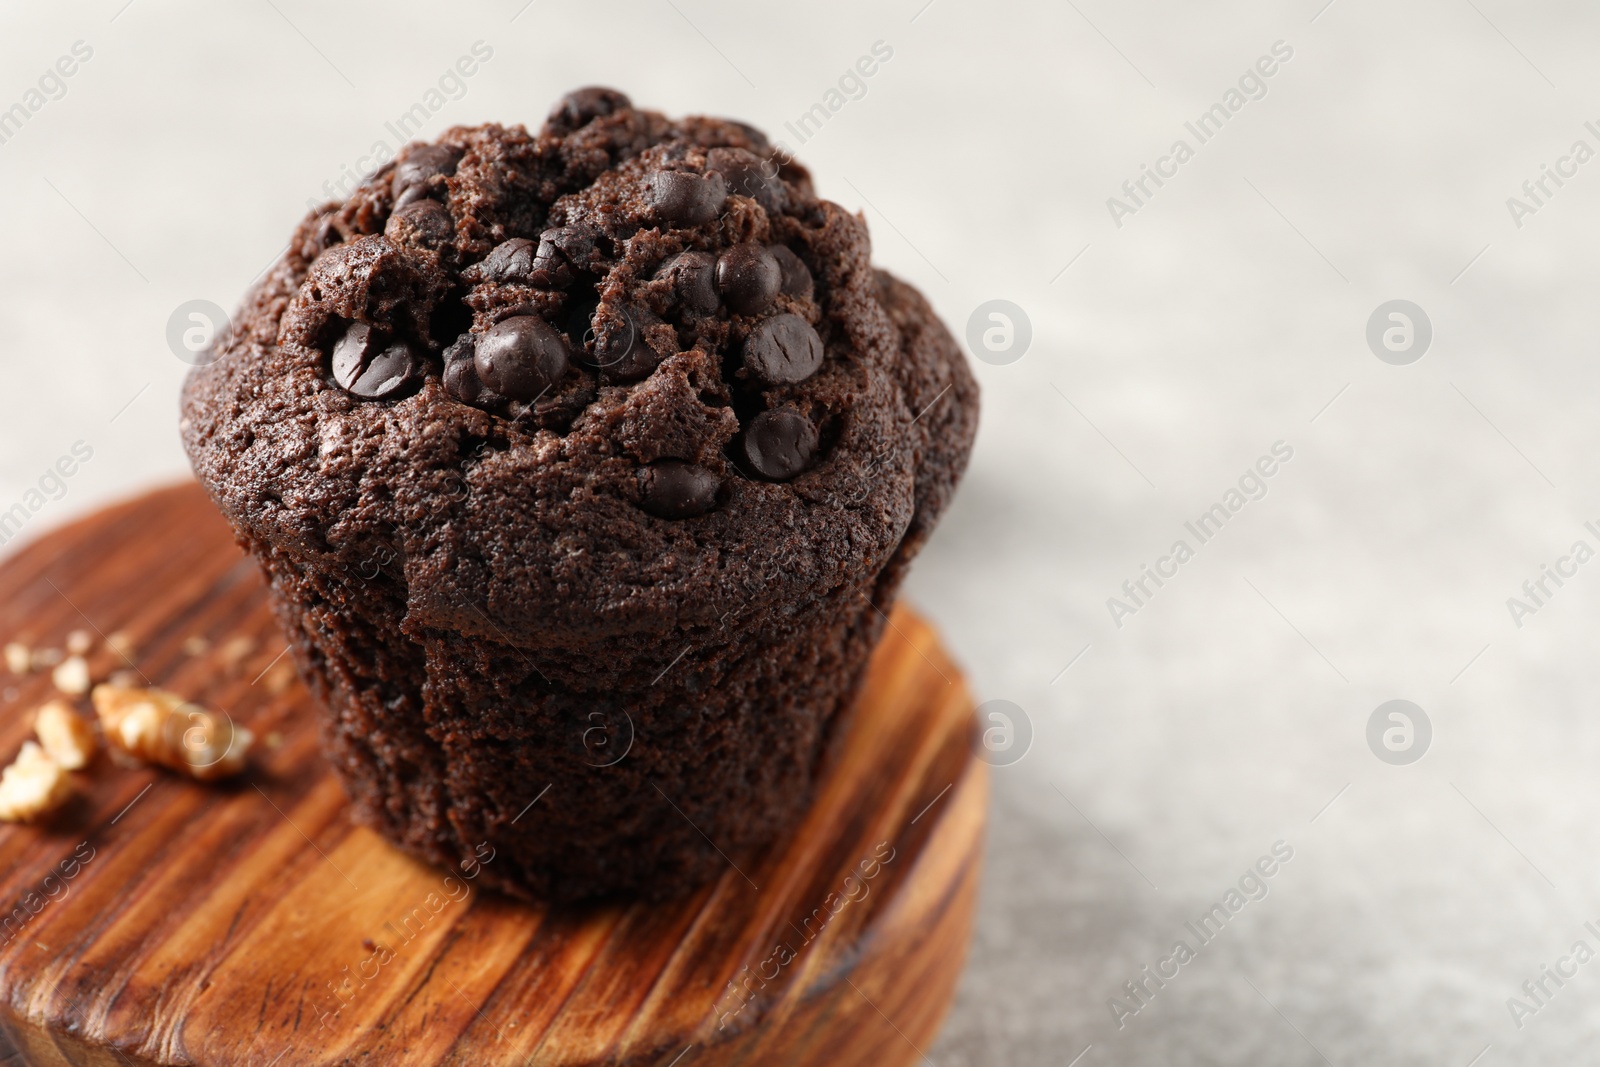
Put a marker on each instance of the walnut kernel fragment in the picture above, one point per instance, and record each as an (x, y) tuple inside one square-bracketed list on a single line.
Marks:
[(79, 642), (72, 675), (162, 728), (33, 786), (19, 659), (67, 737)]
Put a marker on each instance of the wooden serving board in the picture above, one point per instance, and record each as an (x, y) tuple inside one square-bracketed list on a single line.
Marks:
[(156, 920)]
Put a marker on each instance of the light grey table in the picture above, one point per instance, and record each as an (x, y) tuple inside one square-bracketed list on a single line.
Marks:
[(1176, 336)]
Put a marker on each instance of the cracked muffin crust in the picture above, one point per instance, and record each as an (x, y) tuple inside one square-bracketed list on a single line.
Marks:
[(587, 459)]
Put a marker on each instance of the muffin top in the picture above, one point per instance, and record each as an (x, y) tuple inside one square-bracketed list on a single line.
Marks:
[(626, 374)]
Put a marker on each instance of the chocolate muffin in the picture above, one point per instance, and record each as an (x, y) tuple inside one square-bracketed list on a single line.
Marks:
[(583, 466)]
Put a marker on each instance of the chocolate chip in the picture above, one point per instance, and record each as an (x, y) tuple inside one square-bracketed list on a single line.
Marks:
[(694, 280), (620, 348), (674, 489), (779, 444), (520, 357), (748, 278), (395, 371), (367, 365), (423, 222), (461, 375), (782, 350), (419, 169), (511, 261), (686, 199), (796, 275), (749, 175), (563, 251), (582, 106), (354, 351)]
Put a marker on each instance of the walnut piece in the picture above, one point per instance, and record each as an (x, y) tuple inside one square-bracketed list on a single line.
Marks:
[(33, 786), (72, 675), (67, 737), (79, 642), (161, 727), (19, 658)]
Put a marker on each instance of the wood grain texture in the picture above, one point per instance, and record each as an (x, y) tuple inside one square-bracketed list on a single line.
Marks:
[(254, 923)]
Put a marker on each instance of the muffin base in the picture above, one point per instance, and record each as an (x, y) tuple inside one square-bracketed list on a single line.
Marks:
[(581, 780)]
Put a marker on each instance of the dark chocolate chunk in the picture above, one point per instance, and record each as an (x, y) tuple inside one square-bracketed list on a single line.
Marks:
[(563, 251), (796, 275), (354, 351), (694, 280), (426, 223), (520, 357), (393, 373), (747, 174), (582, 106), (419, 169), (780, 444), (783, 350), (461, 374), (511, 261), (685, 199), (369, 366), (674, 489), (748, 278)]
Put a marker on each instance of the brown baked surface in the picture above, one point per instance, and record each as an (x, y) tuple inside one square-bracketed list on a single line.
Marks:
[(485, 594)]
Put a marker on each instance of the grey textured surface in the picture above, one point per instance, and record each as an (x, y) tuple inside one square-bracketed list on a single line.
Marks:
[(1226, 314)]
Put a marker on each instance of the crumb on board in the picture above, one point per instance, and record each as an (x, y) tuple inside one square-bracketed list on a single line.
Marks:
[(280, 677), (235, 651), (121, 642)]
